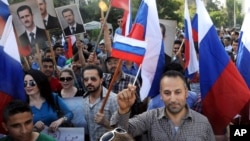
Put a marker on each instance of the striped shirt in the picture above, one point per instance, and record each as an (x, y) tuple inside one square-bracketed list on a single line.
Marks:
[(194, 126), (94, 130), (123, 84)]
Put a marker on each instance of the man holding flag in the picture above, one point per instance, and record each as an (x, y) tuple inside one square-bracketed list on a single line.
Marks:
[(174, 121)]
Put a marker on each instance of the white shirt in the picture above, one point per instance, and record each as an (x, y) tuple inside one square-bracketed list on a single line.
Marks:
[(33, 31)]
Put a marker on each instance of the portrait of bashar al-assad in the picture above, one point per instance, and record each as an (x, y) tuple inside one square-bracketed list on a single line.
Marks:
[(28, 24), (48, 14), (70, 20)]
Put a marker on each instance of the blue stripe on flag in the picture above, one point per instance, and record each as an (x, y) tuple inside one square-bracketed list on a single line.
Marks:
[(130, 49)]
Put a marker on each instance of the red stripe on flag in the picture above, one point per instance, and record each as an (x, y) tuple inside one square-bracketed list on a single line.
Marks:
[(221, 104), (5, 99), (195, 35), (135, 34), (123, 4), (127, 56), (23, 50), (187, 53), (69, 51)]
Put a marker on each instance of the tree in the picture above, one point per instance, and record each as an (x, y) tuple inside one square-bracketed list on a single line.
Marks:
[(230, 10), (218, 17), (170, 9), (218, 14)]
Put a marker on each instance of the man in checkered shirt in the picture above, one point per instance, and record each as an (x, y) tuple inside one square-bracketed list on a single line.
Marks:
[(174, 122)]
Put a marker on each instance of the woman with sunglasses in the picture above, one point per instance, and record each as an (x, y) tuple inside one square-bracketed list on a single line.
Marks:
[(67, 80), (43, 102)]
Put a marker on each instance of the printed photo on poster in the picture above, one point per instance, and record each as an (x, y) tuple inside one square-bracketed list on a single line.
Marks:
[(66, 134), (48, 14), (29, 26), (70, 19)]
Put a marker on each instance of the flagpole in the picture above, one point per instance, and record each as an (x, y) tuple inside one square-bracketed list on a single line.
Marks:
[(39, 57), (179, 50), (51, 50), (137, 74), (110, 86), (26, 62), (102, 28)]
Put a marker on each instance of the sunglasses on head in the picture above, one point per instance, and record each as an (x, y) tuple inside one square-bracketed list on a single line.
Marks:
[(65, 79), (31, 83), (111, 134), (86, 79)]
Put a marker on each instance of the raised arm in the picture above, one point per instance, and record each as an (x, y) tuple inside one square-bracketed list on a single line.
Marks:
[(80, 47)]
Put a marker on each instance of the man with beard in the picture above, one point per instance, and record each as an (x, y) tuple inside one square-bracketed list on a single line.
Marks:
[(98, 123), (175, 121)]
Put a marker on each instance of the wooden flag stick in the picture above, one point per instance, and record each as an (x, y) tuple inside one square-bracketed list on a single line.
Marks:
[(102, 28), (51, 50), (179, 50), (110, 86), (26, 62), (39, 56)]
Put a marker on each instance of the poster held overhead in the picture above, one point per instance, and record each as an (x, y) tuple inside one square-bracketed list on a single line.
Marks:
[(70, 19)]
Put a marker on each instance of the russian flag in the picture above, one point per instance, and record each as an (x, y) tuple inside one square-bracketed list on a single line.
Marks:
[(11, 74), (194, 24), (191, 62), (243, 56), (223, 90), (154, 59), (4, 14), (127, 48), (126, 6), (132, 47)]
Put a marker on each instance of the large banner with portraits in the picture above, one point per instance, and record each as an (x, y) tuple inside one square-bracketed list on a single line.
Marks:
[(29, 27), (70, 19)]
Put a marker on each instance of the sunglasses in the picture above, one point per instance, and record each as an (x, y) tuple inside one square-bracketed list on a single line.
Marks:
[(62, 79), (31, 83), (86, 79), (111, 134)]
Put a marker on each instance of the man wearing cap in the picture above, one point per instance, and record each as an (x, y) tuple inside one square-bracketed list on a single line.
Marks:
[(103, 54)]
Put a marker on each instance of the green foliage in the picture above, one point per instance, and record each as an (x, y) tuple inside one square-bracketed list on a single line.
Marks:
[(94, 34), (90, 12), (15, 1), (59, 3), (218, 17), (170, 9), (230, 10), (213, 6)]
